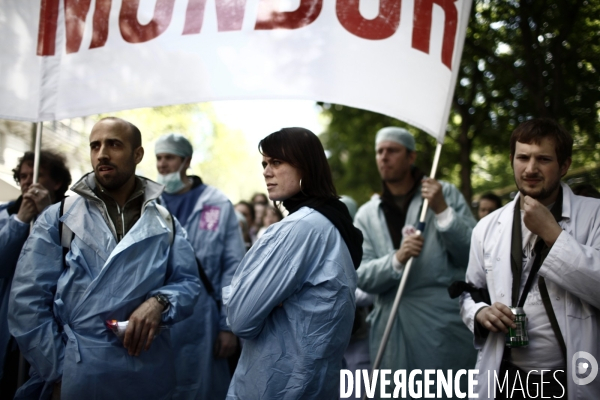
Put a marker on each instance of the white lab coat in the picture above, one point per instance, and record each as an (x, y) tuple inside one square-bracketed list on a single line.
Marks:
[(572, 273)]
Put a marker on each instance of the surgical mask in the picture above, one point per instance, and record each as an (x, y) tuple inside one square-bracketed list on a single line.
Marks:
[(172, 182)]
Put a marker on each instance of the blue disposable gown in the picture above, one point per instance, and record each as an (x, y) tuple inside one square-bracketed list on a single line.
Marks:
[(57, 314), (428, 332), (292, 299), (13, 234), (215, 235)]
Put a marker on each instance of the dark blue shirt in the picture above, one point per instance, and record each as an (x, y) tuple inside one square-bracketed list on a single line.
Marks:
[(182, 205)]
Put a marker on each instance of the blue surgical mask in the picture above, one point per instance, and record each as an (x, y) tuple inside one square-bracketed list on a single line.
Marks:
[(172, 182)]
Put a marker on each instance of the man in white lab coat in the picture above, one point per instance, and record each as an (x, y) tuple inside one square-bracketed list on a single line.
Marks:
[(549, 229)]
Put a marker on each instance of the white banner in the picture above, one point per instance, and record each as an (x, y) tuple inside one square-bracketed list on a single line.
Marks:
[(67, 58)]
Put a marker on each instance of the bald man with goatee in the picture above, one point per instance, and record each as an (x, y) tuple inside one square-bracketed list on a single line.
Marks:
[(124, 259)]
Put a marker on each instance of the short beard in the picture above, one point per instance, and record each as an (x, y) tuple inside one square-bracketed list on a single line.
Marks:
[(392, 180), (116, 183), (543, 194), (396, 178)]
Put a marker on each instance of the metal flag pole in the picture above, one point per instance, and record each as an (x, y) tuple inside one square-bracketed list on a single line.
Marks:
[(22, 373), (36, 151), (392, 318)]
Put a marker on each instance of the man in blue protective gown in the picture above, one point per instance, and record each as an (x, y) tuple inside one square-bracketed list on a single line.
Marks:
[(123, 262), (427, 331), (204, 341), (15, 218)]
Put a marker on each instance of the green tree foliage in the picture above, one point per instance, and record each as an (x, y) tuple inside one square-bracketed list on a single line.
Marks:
[(522, 59)]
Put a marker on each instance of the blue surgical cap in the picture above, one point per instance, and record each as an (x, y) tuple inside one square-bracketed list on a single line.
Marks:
[(397, 135), (174, 143)]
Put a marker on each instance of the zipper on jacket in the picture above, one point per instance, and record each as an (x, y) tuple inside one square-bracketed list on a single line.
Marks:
[(120, 212)]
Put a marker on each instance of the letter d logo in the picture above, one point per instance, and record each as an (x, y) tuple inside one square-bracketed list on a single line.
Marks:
[(580, 367)]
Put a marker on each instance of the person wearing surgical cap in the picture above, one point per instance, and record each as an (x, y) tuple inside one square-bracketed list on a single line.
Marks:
[(427, 332), (203, 342)]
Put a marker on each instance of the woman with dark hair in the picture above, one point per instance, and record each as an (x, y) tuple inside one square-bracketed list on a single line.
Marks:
[(292, 296)]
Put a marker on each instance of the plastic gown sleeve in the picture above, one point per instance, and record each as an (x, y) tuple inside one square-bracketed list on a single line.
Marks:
[(375, 274), (457, 235), (268, 275), (30, 317), (13, 235), (182, 284), (232, 256)]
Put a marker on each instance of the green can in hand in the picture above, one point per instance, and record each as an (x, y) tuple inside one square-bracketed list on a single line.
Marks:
[(517, 337)]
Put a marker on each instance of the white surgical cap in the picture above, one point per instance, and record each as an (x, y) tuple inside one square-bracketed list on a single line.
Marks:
[(397, 135), (174, 143)]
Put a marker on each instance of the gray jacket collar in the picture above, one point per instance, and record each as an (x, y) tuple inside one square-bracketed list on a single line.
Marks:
[(86, 185)]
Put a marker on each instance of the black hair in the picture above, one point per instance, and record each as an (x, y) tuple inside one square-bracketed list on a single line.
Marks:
[(534, 130), (492, 197), (53, 163), (304, 151)]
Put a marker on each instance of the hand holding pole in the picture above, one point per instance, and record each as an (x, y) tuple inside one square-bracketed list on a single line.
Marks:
[(396, 305)]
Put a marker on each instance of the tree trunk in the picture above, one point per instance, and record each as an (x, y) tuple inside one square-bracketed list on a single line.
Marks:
[(465, 160)]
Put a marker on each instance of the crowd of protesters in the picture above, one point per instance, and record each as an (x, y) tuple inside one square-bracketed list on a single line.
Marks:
[(134, 288)]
